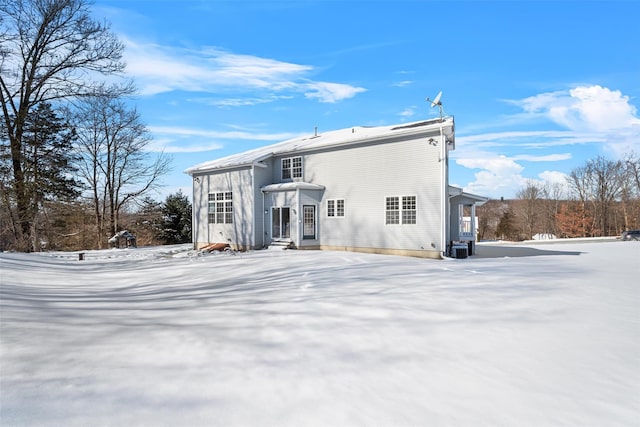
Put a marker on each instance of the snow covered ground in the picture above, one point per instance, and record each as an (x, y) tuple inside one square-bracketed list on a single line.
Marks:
[(538, 335)]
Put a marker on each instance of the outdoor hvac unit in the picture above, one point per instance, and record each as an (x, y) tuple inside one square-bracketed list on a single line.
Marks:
[(460, 251)]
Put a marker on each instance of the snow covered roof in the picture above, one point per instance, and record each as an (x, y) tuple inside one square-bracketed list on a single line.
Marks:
[(328, 139)]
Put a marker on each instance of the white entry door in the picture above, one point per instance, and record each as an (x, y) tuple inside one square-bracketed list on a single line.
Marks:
[(309, 222)]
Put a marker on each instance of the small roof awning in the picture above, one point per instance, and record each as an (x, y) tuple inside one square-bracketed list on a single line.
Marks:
[(290, 186), (461, 197)]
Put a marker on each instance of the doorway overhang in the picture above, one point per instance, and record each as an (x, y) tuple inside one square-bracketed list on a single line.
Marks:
[(291, 186)]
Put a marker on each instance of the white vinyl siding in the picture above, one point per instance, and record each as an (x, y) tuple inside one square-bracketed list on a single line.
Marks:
[(367, 175)]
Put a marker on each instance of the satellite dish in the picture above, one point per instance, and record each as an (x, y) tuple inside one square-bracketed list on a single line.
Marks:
[(436, 100)]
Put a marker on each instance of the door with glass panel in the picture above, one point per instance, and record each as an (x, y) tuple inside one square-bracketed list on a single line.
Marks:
[(309, 222), (280, 223)]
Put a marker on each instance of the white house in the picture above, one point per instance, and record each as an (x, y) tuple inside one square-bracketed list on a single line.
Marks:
[(369, 189)]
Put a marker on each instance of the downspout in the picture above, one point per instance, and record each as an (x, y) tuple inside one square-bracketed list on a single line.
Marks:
[(443, 197), (264, 230), (298, 221), (194, 230), (262, 214)]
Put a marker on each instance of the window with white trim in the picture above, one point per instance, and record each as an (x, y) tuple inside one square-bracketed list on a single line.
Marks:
[(408, 209), (335, 208), (400, 210), (392, 215), (220, 208), (292, 167)]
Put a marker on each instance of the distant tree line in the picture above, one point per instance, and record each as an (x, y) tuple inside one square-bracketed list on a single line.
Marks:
[(74, 166), (603, 200)]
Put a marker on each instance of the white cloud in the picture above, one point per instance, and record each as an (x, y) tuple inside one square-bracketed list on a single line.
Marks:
[(502, 176), (591, 112), (584, 108), (587, 115), (499, 175), (556, 179), (408, 112), (543, 158), (159, 69), (403, 83), (331, 92), (232, 135), (189, 140), (528, 139)]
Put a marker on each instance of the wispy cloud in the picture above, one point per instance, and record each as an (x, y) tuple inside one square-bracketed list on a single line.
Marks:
[(189, 140), (159, 69), (408, 112), (529, 139), (543, 158), (403, 83)]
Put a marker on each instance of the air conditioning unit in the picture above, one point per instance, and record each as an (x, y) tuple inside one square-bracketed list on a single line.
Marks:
[(460, 252)]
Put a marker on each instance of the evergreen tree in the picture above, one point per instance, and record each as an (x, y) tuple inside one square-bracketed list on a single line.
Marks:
[(176, 216), (47, 168), (49, 52), (149, 222), (506, 227)]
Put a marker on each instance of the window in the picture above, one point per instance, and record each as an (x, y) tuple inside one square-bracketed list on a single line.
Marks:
[(408, 209), (292, 167), (335, 208), (396, 213), (393, 211), (221, 208)]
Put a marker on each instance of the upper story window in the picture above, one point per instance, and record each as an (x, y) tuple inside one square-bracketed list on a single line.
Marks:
[(220, 208), (292, 167)]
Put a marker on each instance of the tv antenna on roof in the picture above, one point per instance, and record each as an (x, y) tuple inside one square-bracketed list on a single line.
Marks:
[(436, 102)]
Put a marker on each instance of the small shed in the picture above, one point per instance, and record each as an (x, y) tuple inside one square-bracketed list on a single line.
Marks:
[(123, 239)]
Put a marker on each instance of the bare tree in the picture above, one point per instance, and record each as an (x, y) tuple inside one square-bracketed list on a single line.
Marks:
[(599, 183), (49, 49), (529, 210), (630, 191), (115, 163), (554, 193)]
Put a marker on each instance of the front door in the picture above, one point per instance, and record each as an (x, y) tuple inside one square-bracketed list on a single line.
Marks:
[(280, 223)]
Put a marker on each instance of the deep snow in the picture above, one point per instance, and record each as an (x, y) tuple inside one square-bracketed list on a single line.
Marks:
[(546, 335)]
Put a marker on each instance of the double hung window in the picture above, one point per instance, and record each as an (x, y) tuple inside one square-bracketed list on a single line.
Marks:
[(335, 208), (292, 167), (400, 210)]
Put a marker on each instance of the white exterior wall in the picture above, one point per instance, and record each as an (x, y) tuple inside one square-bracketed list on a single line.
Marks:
[(261, 177), (364, 176), (242, 232)]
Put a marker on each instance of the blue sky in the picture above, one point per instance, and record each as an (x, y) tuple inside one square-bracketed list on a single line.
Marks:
[(536, 88)]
